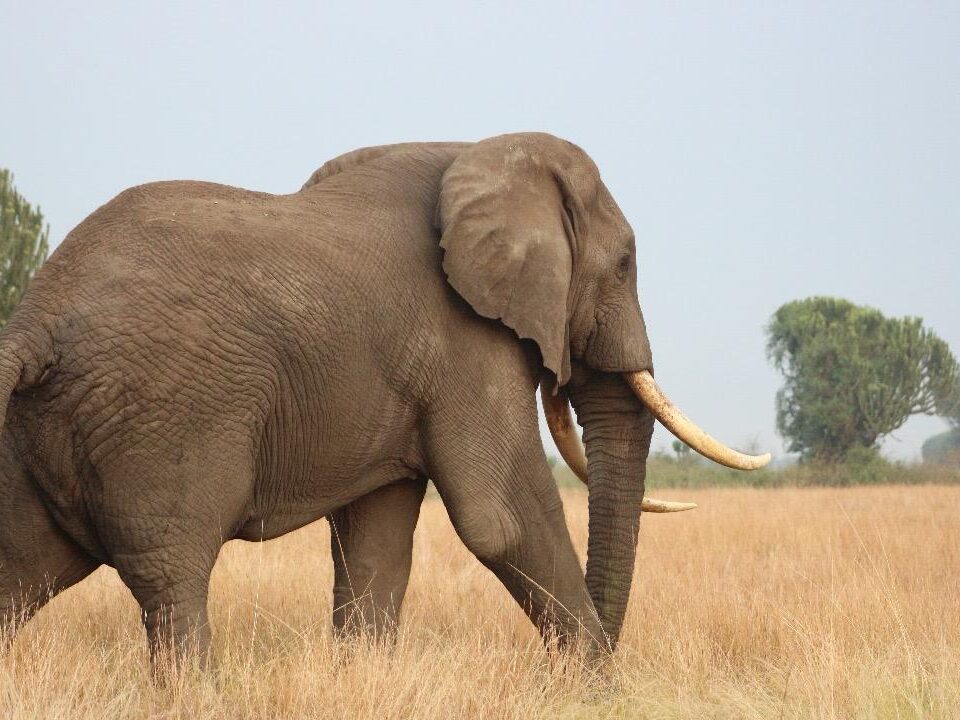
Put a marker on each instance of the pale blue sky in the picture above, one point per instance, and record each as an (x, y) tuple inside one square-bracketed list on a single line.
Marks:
[(764, 151)]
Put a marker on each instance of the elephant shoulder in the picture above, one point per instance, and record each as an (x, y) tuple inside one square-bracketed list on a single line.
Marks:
[(362, 156)]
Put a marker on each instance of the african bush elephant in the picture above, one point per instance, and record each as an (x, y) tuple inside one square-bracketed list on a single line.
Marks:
[(197, 363)]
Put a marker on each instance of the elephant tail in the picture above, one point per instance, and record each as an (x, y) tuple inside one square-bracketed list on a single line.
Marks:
[(11, 368), (25, 356)]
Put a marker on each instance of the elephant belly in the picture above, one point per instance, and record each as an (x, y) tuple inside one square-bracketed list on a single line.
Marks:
[(324, 456)]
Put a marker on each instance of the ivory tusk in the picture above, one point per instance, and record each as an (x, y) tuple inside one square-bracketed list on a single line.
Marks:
[(556, 408), (649, 393)]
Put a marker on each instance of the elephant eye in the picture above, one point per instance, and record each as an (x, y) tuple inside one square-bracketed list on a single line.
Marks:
[(623, 266)]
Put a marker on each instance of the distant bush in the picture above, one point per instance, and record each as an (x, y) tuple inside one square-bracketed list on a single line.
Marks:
[(943, 449), (862, 467)]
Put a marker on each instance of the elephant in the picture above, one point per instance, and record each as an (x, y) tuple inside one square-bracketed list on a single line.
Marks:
[(197, 363)]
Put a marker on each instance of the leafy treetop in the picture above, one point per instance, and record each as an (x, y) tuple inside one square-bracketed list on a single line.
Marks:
[(23, 244), (852, 376)]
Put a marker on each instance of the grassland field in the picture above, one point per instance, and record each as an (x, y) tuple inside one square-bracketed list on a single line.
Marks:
[(787, 602)]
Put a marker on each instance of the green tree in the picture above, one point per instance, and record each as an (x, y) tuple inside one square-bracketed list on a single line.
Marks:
[(948, 405), (852, 375), (23, 244)]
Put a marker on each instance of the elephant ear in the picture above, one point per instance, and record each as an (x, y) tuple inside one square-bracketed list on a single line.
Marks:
[(507, 238)]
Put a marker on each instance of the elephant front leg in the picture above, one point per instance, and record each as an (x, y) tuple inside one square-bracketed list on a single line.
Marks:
[(372, 544), (490, 470)]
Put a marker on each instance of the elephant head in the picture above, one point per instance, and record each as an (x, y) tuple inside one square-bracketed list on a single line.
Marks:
[(533, 238)]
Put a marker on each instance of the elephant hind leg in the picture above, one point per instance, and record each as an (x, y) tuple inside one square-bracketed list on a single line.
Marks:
[(170, 582), (38, 559), (372, 543), (54, 563), (162, 523)]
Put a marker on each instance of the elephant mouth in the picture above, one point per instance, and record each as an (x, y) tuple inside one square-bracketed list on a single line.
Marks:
[(556, 407)]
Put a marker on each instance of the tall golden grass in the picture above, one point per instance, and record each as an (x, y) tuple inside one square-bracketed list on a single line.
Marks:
[(786, 603)]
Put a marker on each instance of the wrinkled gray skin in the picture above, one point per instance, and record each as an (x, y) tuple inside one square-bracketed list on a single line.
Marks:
[(197, 363)]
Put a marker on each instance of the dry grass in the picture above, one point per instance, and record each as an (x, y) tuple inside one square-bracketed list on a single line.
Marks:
[(794, 603)]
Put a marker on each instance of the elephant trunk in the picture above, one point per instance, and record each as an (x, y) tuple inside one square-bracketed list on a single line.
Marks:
[(556, 409), (617, 431)]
